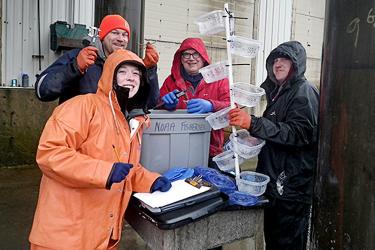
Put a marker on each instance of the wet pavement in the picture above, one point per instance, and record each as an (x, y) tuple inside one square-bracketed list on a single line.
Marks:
[(18, 196)]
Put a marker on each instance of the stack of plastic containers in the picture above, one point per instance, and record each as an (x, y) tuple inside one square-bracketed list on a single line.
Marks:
[(244, 146)]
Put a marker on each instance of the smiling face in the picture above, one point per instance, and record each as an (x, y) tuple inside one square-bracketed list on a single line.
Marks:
[(192, 61), (116, 39), (281, 68), (129, 76)]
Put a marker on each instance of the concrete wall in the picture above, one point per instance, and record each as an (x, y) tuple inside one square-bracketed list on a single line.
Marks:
[(22, 118)]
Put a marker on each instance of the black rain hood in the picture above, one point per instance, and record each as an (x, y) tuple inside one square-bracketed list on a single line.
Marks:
[(295, 52)]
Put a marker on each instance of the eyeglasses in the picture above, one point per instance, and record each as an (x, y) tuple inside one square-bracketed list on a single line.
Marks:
[(187, 55)]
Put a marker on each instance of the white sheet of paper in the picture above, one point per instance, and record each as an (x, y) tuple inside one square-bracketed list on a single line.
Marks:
[(180, 190)]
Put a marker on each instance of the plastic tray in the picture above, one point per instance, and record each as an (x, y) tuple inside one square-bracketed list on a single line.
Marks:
[(247, 146), (252, 183), (245, 47), (211, 23), (226, 161), (215, 72), (247, 94), (219, 119)]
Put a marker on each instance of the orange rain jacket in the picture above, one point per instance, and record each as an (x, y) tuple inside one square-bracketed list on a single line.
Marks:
[(75, 154)]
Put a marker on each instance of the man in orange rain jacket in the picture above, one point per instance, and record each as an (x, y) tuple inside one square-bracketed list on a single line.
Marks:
[(89, 154)]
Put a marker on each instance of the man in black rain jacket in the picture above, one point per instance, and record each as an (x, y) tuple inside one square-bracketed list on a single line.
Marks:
[(289, 126)]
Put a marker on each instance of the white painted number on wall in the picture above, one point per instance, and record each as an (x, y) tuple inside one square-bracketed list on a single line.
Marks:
[(353, 26)]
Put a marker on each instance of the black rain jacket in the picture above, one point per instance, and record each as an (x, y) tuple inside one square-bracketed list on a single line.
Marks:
[(289, 126)]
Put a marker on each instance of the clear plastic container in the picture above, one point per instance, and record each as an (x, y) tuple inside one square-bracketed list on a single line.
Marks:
[(252, 183), (215, 72), (219, 119), (247, 94), (247, 145), (226, 161), (245, 47), (211, 23)]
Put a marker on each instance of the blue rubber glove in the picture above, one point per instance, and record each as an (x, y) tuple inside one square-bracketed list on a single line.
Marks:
[(199, 106), (170, 100), (119, 172), (161, 184)]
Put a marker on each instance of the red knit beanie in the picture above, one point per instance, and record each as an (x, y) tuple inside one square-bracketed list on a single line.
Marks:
[(112, 22)]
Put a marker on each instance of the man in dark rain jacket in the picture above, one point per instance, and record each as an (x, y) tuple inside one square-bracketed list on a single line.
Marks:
[(289, 127), (78, 71)]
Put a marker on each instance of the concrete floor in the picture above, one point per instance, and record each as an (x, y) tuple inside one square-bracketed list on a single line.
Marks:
[(18, 196)]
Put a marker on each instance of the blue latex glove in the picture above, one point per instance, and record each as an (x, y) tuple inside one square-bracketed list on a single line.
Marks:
[(170, 100), (119, 172), (199, 106), (161, 184)]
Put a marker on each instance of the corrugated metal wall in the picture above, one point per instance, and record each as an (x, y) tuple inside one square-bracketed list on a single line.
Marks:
[(169, 22), (284, 20), (308, 26), (20, 40)]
